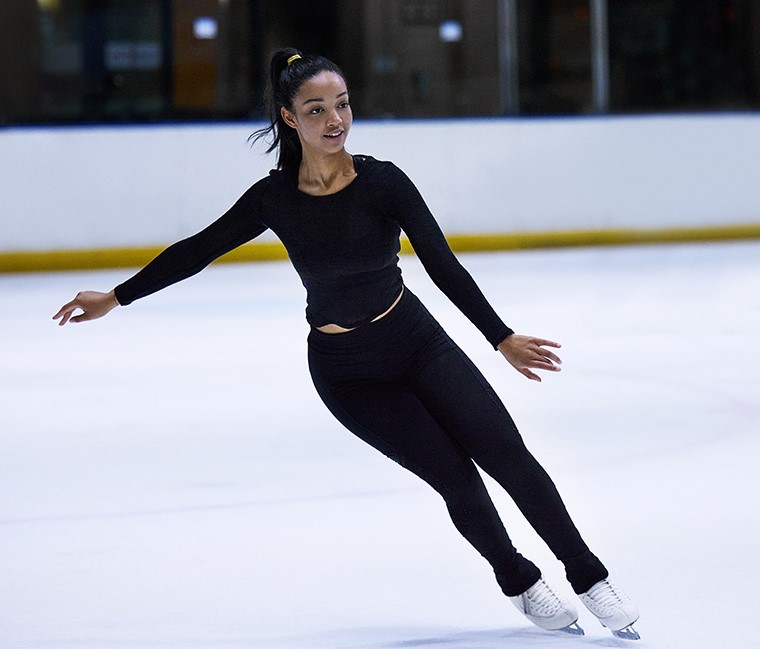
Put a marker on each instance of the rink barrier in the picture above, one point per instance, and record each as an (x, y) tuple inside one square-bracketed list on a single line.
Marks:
[(67, 260)]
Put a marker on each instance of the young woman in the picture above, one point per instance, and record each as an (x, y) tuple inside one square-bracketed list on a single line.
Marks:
[(379, 361)]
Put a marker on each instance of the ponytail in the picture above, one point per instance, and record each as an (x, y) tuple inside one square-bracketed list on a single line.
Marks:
[(288, 70)]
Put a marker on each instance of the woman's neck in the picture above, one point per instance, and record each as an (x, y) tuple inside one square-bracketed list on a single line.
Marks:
[(322, 175)]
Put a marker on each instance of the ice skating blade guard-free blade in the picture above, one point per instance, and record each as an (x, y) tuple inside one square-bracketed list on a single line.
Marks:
[(629, 633), (573, 629)]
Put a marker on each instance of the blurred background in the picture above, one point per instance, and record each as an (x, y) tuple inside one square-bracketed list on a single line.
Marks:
[(124, 123), (73, 61)]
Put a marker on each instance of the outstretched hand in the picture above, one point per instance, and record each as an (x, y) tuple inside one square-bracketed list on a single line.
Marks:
[(526, 352), (93, 304)]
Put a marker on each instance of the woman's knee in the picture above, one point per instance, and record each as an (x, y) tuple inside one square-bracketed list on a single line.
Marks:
[(461, 486)]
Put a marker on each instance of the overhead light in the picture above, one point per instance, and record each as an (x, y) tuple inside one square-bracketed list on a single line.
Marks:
[(450, 31), (205, 28)]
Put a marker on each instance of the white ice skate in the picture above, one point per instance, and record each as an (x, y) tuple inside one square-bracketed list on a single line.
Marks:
[(613, 609), (542, 606)]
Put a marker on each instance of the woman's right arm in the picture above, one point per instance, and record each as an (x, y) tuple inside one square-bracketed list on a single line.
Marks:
[(179, 261)]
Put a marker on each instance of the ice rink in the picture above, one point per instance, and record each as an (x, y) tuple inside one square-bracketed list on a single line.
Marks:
[(170, 480)]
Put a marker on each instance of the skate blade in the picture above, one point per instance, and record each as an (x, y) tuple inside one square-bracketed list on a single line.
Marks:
[(573, 629), (628, 633)]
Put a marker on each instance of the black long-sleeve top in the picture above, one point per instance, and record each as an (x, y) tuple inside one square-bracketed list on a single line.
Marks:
[(344, 247)]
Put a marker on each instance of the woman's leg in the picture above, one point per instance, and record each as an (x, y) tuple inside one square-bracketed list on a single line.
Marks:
[(389, 417), (457, 396)]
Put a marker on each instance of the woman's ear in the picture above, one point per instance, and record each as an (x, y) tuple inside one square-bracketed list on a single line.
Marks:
[(288, 117)]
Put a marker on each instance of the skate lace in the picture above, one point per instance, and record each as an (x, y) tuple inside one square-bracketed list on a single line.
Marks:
[(544, 599), (605, 597)]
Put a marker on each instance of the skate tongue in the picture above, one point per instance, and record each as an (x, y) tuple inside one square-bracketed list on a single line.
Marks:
[(629, 633)]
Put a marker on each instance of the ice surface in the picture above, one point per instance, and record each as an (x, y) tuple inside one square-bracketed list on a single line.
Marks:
[(169, 478)]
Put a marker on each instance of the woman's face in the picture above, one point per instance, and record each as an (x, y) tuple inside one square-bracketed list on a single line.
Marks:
[(321, 114)]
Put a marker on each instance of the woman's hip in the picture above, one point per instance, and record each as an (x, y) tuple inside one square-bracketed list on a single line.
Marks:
[(384, 349)]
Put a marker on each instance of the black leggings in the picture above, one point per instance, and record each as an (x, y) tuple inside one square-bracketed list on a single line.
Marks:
[(404, 387)]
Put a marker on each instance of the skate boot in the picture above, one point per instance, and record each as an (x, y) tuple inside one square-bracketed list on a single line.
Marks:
[(542, 606), (614, 609)]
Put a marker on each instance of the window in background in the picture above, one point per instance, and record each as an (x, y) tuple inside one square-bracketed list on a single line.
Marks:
[(428, 58), (139, 60), (21, 52), (554, 57), (100, 60), (684, 55)]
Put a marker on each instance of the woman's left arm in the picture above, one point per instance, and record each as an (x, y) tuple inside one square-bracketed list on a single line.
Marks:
[(524, 353)]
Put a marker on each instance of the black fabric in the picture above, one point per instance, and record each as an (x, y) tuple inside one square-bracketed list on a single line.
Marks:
[(399, 383), (344, 246), (404, 387)]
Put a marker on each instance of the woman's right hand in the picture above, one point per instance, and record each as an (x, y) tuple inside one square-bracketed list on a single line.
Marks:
[(93, 304)]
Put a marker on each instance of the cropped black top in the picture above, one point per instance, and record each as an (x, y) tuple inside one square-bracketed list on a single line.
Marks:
[(344, 247)]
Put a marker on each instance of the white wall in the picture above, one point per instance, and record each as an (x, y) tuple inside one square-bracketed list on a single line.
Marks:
[(80, 188)]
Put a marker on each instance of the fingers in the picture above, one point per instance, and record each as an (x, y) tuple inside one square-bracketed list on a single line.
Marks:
[(544, 355), (545, 343), (544, 365), (87, 315), (61, 311), (527, 353), (65, 318), (533, 377), (66, 312), (547, 361), (549, 356)]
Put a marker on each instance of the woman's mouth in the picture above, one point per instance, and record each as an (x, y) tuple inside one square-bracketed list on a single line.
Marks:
[(335, 135)]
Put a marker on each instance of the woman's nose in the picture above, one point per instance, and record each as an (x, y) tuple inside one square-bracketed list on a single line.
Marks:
[(334, 118)]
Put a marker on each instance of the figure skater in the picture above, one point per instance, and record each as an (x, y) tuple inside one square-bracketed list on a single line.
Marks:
[(380, 362)]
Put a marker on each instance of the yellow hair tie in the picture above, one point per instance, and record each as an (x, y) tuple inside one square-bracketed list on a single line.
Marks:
[(295, 57)]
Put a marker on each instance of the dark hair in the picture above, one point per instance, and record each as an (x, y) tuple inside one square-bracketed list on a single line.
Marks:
[(285, 79)]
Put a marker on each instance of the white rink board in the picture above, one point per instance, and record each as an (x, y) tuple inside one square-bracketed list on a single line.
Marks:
[(106, 187)]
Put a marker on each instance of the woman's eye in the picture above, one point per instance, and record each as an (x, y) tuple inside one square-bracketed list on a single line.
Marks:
[(315, 111)]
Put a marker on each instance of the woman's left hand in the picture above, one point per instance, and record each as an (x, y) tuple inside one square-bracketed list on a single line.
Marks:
[(526, 352)]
